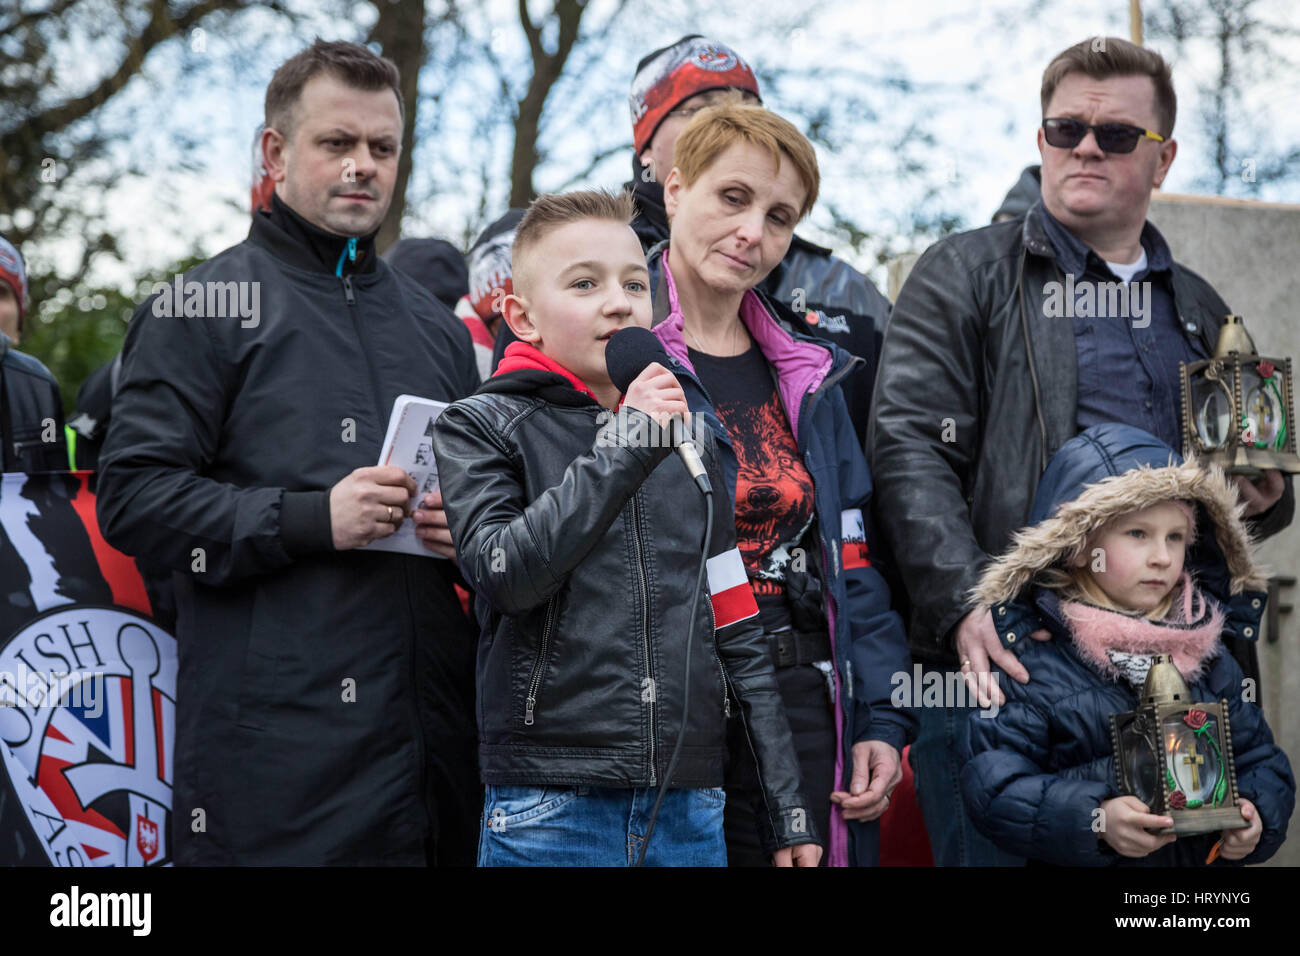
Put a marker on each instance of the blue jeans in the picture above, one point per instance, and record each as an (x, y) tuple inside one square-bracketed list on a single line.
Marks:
[(600, 826), (936, 770)]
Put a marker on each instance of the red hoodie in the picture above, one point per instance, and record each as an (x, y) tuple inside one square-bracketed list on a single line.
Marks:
[(521, 355)]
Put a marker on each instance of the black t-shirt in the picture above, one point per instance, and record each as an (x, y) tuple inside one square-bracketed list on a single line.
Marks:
[(774, 492)]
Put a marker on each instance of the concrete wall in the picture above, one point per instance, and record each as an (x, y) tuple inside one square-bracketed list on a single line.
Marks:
[(1250, 253)]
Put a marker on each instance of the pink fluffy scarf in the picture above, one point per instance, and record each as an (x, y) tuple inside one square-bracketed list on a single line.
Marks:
[(1190, 633)]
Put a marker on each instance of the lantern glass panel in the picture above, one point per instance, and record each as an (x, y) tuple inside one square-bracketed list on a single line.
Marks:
[(1140, 764), (1212, 405), (1192, 759), (1263, 405)]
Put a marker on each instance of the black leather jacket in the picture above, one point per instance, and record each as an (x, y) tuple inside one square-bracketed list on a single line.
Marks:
[(31, 411), (584, 553), (977, 390)]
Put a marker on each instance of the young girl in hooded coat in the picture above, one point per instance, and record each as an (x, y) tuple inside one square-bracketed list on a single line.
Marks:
[(1131, 553)]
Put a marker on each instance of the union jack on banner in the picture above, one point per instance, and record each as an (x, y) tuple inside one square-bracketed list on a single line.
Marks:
[(87, 687)]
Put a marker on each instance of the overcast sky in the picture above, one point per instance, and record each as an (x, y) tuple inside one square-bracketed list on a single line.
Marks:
[(215, 95)]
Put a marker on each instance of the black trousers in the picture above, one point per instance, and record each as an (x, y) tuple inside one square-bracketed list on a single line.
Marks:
[(812, 723)]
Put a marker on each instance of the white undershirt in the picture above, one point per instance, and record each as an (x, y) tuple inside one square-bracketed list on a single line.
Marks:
[(1127, 272)]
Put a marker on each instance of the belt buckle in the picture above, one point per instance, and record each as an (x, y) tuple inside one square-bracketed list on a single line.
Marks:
[(785, 648)]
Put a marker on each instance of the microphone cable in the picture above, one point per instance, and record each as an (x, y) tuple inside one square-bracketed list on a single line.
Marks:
[(686, 684)]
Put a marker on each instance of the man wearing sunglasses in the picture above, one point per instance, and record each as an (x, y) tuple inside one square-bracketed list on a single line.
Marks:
[(1001, 348)]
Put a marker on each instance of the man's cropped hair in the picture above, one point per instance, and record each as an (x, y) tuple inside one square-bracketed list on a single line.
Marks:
[(350, 63), (1104, 57)]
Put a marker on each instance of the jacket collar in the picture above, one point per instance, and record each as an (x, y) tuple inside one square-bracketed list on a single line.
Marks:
[(1087, 634), (291, 238), (801, 363), (1034, 236), (1038, 607), (1050, 342), (649, 196), (1044, 235), (1190, 634), (524, 368)]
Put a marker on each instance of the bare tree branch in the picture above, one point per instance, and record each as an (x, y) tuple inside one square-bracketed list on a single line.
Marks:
[(400, 34), (547, 69), (32, 17), (598, 158), (161, 26)]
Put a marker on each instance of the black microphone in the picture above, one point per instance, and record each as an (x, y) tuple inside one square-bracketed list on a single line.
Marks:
[(629, 353)]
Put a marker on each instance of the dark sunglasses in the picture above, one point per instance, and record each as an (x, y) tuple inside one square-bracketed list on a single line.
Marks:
[(1111, 137)]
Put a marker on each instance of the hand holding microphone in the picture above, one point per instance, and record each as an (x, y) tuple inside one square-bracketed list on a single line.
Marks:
[(637, 364), (657, 392)]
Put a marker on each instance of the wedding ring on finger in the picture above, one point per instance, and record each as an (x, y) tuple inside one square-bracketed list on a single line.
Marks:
[(390, 514)]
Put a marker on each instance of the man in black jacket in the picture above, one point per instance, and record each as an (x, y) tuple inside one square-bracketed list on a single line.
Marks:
[(325, 693), (31, 411), (999, 351)]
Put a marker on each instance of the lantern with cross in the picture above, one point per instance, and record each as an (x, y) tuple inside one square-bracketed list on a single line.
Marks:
[(1175, 755), (1238, 407)]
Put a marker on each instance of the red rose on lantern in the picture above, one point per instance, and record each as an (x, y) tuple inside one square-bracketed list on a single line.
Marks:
[(1265, 370), (1195, 719), (1177, 800)]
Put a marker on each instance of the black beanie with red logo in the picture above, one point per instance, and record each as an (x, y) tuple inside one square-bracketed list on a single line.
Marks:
[(694, 64)]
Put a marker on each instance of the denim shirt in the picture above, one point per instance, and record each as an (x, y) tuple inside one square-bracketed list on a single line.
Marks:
[(1128, 349)]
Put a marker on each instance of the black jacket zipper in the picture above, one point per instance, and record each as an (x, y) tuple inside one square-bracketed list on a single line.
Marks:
[(713, 629), (414, 688), (832, 379), (1029, 352), (539, 665), (645, 626), (414, 691)]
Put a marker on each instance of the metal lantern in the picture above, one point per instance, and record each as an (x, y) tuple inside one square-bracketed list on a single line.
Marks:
[(1238, 407), (1175, 755)]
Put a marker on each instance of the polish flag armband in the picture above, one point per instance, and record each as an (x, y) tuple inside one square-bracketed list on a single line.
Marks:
[(729, 590), (853, 540)]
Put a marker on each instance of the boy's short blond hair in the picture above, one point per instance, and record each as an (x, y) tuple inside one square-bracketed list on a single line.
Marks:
[(549, 211), (713, 130)]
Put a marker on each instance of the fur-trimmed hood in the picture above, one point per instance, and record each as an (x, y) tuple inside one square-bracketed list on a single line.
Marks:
[(1109, 470)]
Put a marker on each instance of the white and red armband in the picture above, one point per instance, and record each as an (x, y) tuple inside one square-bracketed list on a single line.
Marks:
[(729, 590), (853, 540)]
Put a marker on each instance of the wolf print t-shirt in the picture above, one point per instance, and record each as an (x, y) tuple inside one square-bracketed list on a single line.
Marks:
[(774, 492)]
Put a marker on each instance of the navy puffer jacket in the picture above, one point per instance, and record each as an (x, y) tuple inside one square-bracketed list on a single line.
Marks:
[(1036, 771)]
